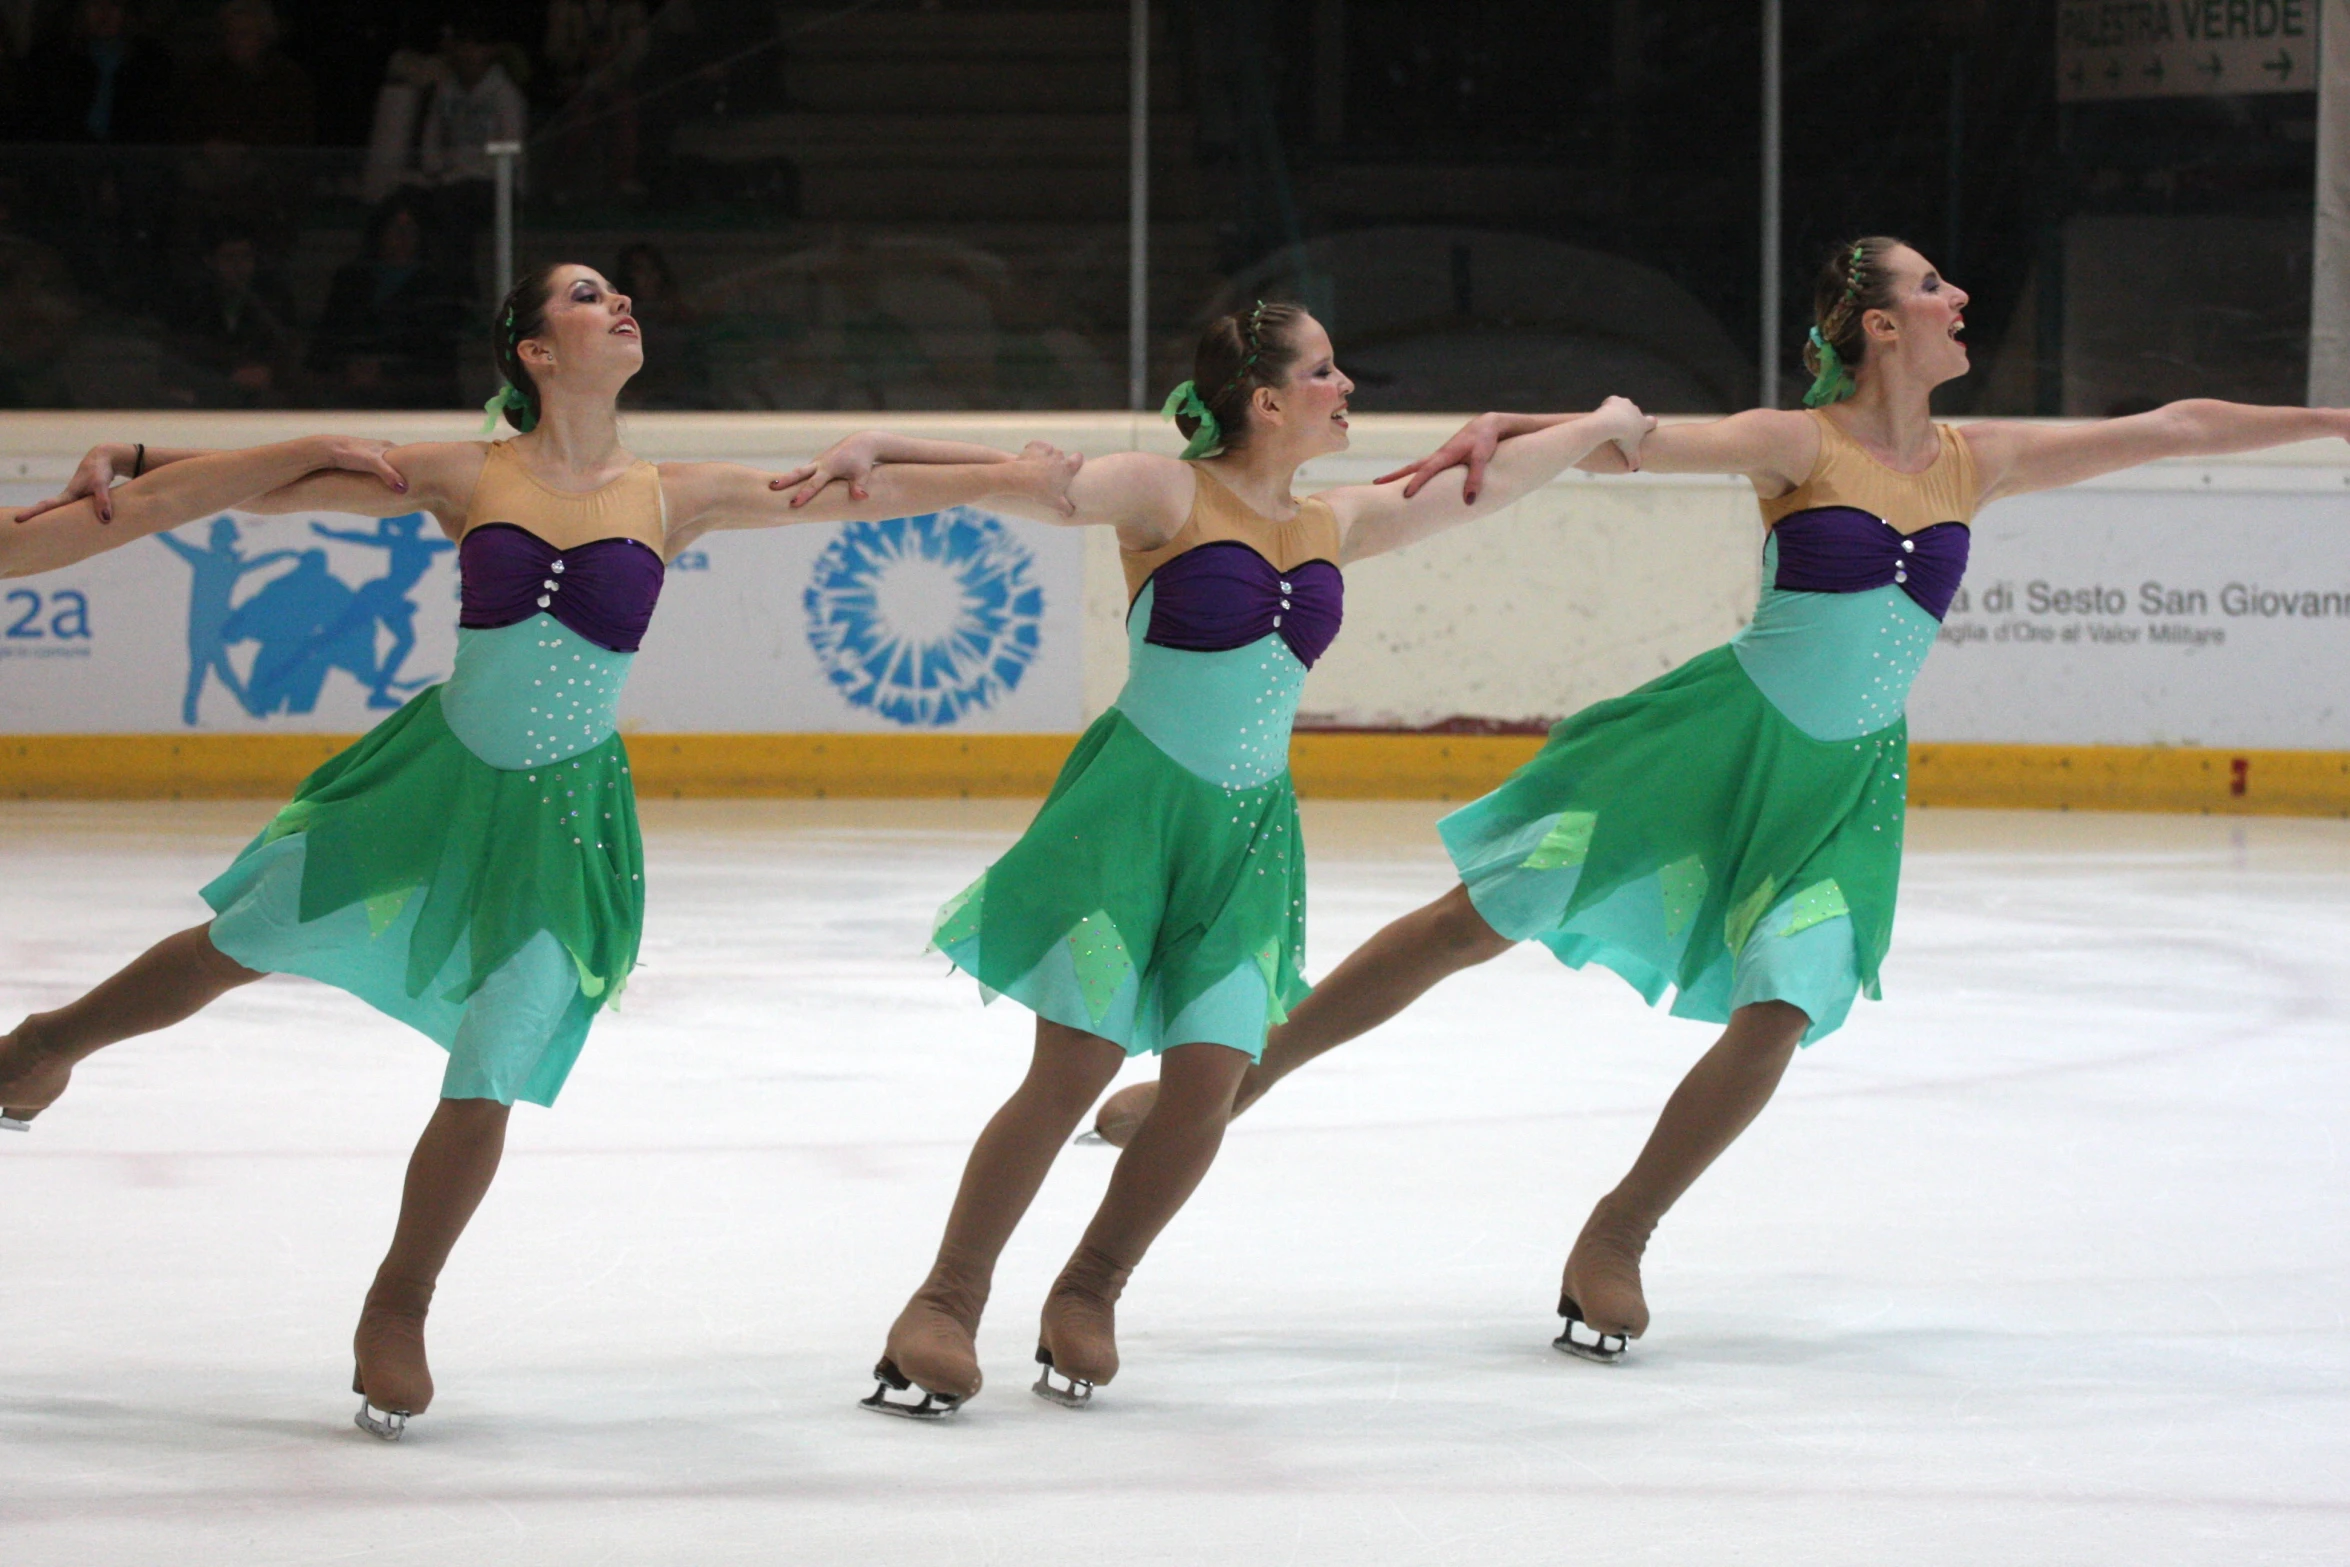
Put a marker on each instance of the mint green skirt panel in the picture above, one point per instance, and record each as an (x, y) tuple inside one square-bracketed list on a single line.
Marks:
[(1145, 904), (1690, 837), (515, 1037)]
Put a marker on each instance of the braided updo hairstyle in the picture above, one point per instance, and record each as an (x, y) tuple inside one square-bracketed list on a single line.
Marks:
[(1238, 353), (521, 316), (1853, 281)]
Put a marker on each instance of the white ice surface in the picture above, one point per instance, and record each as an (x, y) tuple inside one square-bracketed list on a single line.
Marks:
[(2041, 1260)]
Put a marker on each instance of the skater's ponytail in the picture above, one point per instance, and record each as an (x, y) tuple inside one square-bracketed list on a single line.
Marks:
[(521, 317), (1238, 353)]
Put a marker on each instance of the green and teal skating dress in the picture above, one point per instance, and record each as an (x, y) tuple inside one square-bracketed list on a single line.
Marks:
[(1159, 897), (1732, 830), (471, 866)]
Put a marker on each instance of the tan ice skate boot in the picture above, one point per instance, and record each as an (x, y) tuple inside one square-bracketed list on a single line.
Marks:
[(30, 1080), (391, 1378), (932, 1346), (1601, 1286), (1079, 1334), (1122, 1115)]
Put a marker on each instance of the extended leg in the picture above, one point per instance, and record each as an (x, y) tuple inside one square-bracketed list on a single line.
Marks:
[(1719, 1098), (175, 978), (1375, 982), (932, 1342), (452, 1167), (1158, 1172)]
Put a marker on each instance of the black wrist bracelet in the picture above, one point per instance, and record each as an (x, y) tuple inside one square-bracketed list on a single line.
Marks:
[(139, 462)]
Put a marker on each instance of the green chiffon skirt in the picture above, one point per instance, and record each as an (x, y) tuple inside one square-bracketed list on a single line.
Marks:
[(1687, 836), (1144, 904), (494, 911)]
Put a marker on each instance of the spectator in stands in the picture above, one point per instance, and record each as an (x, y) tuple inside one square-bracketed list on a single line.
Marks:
[(248, 92), (235, 334), (103, 83), (478, 104), (411, 78), (388, 338), (679, 375)]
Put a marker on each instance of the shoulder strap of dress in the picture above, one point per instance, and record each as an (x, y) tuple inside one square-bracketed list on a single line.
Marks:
[(487, 482), (1968, 491)]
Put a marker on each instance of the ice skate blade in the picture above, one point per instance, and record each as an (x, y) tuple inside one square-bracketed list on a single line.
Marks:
[(1069, 1393), (888, 1379), (9, 1123), (934, 1406), (384, 1423), (1606, 1348), (1089, 1138)]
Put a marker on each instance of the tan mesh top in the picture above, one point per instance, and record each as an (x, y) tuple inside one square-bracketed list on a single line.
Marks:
[(631, 506), (1218, 515), (1846, 475)]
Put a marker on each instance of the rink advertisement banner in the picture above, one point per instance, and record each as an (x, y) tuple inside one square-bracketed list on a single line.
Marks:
[(2119, 616), (959, 621)]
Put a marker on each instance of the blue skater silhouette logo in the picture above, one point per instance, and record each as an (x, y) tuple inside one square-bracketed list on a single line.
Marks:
[(923, 619), (304, 622)]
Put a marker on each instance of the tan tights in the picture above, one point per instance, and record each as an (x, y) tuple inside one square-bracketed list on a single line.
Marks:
[(451, 1168), (1169, 1154), (1719, 1098)]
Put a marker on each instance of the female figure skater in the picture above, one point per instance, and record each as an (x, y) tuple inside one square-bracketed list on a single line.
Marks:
[(1733, 828), (471, 866), (1157, 903)]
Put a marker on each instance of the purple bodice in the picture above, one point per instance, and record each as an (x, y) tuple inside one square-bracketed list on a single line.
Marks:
[(1225, 595), (1842, 549), (604, 589)]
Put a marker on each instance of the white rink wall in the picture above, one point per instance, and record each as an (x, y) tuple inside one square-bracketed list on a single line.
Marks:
[(2203, 603)]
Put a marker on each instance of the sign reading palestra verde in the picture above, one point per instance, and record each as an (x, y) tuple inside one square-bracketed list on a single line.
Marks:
[(2184, 48)]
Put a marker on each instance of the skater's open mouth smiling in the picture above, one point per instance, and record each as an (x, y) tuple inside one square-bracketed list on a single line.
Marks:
[(625, 327)]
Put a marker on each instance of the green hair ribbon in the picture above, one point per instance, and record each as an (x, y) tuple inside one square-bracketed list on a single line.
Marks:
[(508, 402), (1185, 399), (1834, 382)]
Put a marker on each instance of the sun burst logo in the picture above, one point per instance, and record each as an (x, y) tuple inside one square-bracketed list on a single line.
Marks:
[(923, 619)]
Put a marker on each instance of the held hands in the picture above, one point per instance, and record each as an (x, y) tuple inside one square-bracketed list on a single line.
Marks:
[(850, 462), (109, 461), (1049, 472), (1041, 471), (1473, 446), (353, 454), (95, 476), (1626, 428)]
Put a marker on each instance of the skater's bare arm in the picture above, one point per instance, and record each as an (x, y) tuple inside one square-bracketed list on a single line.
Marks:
[(2013, 458), (1143, 496), (850, 460), (1777, 448), (1376, 518), (438, 477), (102, 466), (180, 493), (1773, 447), (705, 497)]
